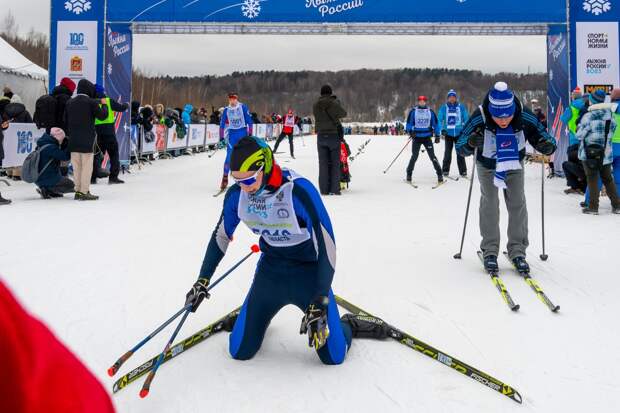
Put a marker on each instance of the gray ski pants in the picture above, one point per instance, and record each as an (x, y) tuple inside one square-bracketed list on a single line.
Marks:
[(514, 196)]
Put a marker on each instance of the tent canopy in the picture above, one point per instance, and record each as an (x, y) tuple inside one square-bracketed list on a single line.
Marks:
[(14, 62)]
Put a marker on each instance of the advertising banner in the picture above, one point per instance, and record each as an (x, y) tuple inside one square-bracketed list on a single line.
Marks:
[(306, 129), (149, 141), (260, 131), (213, 135), (173, 140), (196, 135), (117, 81), (363, 11), (76, 51), (557, 89), (20, 139), (597, 56)]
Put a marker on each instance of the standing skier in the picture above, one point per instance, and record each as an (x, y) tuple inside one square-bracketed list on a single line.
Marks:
[(236, 123), (288, 128), (421, 126), (298, 261), (452, 117), (498, 129)]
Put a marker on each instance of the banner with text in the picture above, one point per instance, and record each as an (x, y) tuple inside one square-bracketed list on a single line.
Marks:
[(597, 56), (20, 139)]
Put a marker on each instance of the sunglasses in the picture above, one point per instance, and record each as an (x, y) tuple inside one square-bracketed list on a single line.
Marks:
[(251, 180)]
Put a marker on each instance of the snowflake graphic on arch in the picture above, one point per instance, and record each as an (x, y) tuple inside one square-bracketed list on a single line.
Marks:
[(597, 7), (78, 6), (250, 8)]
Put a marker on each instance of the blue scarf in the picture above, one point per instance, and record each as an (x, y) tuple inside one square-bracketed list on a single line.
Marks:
[(507, 148)]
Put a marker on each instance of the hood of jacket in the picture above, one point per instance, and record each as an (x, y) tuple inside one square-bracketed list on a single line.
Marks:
[(188, 108), (325, 101), (86, 87), (61, 90)]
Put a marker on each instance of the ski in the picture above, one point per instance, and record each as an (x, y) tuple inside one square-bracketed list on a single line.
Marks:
[(499, 284), (453, 178), (174, 351), (440, 184), (411, 183), (440, 356), (535, 287)]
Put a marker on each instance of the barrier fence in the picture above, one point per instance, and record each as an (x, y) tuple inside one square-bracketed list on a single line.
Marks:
[(20, 139)]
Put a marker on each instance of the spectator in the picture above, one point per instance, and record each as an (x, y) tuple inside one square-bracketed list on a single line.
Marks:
[(80, 115), (36, 368), (63, 92), (573, 168), (7, 94), (214, 119), (187, 114), (328, 112), (106, 135), (16, 111), (615, 100), (135, 112), (54, 148), (595, 132), (4, 125)]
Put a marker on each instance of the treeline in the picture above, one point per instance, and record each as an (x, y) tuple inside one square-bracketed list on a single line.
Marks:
[(34, 45), (368, 95)]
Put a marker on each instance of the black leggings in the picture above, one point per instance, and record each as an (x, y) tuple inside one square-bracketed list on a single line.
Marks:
[(415, 152)]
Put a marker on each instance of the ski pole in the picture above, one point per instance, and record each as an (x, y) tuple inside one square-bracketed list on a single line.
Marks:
[(544, 255), (457, 256), (117, 365), (397, 156)]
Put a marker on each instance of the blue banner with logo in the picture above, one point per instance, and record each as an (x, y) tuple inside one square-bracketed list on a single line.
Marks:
[(345, 11), (557, 89), (117, 81)]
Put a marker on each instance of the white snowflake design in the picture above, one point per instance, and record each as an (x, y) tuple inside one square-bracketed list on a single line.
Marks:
[(250, 8), (109, 68), (597, 7), (78, 6)]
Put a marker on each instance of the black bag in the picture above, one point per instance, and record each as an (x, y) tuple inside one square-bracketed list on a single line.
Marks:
[(45, 112), (595, 153)]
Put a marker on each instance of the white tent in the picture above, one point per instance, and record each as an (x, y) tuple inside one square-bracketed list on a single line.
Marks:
[(25, 78)]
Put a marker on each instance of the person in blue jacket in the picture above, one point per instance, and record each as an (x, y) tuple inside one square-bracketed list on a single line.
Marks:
[(187, 114), (298, 256), (452, 117), (236, 123), (422, 126), (53, 149)]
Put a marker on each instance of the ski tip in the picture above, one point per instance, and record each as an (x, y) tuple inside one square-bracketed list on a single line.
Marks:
[(144, 393), (111, 371), (255, 248)]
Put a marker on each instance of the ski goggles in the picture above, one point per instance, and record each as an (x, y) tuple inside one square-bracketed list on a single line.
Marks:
[(251, 180)]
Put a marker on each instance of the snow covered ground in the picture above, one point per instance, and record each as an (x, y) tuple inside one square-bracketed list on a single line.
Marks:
[(103, 274)]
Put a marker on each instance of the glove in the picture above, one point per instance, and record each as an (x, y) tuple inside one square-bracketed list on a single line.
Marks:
[(197, 294), (412, 134), (476, 140), (314, 323), (545, 147), (437, 139)]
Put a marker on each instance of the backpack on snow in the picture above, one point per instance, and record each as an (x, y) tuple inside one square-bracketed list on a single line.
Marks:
[(30, 168), (45, 112)]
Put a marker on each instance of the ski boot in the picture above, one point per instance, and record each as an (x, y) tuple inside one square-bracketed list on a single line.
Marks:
[(490, 264), (364, 326), (229, 322), (521, 264), (589, 211)]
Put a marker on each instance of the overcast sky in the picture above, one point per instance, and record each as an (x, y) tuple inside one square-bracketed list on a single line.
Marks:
[(208, 54)]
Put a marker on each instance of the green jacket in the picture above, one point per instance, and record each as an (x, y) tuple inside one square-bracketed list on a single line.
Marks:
[(327, 114)]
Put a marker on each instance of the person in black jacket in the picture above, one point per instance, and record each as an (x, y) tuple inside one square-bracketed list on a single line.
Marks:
[(327, 115), (53, 149), (106, 135), (16, 111), (3, 125), (62, 93), (80, 114)]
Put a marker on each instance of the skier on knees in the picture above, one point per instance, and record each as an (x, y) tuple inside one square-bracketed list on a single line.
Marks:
[(498, 129), (421, 126), (236, 123), (288, 128), (298, 261), (452, 116)]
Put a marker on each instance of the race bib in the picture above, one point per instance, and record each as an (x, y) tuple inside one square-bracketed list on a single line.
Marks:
[(236, 120), (422, 118)]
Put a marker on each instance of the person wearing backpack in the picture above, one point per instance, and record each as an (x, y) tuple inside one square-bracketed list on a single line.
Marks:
[(595, 132), (50, 109), (53, 148), (80, 115), (106, 134)]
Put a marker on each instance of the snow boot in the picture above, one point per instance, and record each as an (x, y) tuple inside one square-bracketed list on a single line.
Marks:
[(490, 263), (112, 181), (4, 201), (364, 326), (521, 264), (45, 194), (88, 197), (589, 211)]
